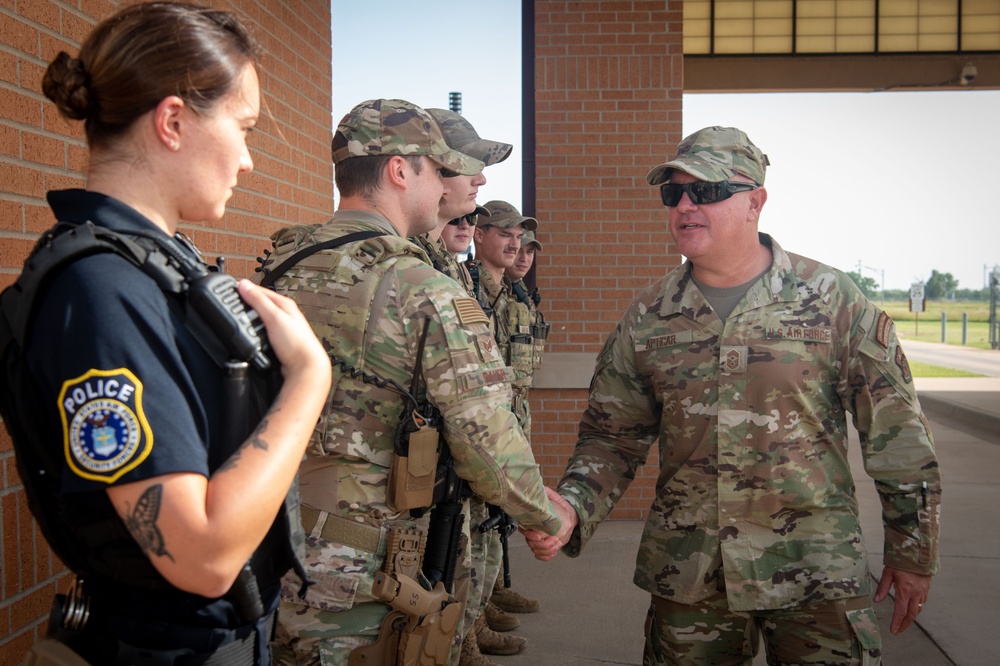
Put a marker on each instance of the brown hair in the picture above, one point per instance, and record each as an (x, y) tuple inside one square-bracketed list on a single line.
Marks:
[(143, 54), (361, 176)]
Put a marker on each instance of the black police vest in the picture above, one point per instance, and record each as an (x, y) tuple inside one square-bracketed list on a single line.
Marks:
[(97, 543)]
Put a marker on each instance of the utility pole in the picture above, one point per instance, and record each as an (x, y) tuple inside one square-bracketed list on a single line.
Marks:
[(880, 271)]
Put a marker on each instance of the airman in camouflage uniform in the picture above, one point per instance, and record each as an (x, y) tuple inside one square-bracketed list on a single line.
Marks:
[(391, 324), (456, 236), (530, 301), (459, 209), (744, 364), (498, 242)]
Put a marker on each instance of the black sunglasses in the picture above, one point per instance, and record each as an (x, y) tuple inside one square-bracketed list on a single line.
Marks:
[(471, 219), (702, 192)]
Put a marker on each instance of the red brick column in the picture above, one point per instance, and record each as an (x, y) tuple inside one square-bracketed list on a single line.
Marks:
[(608, 88), (292, 182)]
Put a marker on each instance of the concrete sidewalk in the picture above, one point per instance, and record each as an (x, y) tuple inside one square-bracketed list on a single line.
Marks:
[(592, 613)]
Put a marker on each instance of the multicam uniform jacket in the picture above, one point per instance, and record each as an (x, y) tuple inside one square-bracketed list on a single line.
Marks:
[(369, 303), (512, 322), (751, 418)]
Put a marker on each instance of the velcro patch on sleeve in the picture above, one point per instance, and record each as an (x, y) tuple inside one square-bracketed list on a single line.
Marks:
[(883, 330), (904, 365), (482, 378), (469, 311), (105, 432)]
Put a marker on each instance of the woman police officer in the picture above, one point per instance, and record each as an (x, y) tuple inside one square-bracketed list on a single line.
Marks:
[(168, 93)]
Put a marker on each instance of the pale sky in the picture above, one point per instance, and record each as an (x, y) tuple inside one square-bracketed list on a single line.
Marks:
[(902, 182)]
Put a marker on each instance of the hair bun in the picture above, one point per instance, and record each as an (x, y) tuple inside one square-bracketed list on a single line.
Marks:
[(65, 83)]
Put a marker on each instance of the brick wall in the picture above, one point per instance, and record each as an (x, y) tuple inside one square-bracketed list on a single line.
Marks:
[(291, 183), (608, 87)]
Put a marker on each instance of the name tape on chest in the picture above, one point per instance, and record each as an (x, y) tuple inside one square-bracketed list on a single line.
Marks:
[(803, 333), (821, 334), (105, 432), (666, 340)]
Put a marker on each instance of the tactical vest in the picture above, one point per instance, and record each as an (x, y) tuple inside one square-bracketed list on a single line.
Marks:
[(539, 327), (102, 546), (364, 262)]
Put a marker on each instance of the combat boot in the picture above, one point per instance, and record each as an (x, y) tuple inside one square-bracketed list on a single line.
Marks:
[(471, 656), (499, 620), (506, 599), (490, 642)]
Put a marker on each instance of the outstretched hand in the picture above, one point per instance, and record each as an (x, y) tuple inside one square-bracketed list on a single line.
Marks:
[(545, 547), (912, 590)]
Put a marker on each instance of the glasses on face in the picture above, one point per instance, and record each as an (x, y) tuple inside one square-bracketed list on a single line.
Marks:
[(701, 192), (468, 219)]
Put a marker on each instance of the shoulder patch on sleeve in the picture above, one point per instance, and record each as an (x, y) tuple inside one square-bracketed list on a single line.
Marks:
[(105, 432), (884, 328), (469, 311), (904, 365)]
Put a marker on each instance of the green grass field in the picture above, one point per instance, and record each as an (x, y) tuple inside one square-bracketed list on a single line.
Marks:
[(918, 369), (926, 326)]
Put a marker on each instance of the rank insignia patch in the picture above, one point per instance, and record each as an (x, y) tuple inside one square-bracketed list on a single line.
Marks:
[(734, 359), (105, 433)]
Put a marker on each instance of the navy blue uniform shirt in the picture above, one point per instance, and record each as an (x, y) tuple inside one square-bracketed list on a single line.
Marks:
[(132, 390)]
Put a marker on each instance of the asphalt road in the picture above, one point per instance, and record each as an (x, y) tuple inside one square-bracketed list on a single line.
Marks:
[(982, 361)]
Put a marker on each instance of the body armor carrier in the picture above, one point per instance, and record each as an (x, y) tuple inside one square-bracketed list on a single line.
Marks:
[(101, 546)]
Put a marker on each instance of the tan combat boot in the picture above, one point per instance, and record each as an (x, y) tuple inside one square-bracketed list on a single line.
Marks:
[(490, 642), (471, 656), (506, 599), (499, 620)]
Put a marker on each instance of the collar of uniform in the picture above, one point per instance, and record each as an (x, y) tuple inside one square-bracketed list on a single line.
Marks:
[(366, 217), (79, 206), (778, 284), (433, 247), (487, 282)]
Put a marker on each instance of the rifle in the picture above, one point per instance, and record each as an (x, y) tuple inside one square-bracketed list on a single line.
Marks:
[(444, 533)]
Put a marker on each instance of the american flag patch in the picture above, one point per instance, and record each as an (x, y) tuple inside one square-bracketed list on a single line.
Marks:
[(469, 312)]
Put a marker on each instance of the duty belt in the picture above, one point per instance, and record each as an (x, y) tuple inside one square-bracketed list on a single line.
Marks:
[(341, 530)]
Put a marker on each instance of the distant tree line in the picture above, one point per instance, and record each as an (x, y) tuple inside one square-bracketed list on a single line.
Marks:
[(938, 286)]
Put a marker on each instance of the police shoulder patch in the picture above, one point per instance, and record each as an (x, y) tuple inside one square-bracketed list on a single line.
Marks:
[(105, 432), (469, 311)]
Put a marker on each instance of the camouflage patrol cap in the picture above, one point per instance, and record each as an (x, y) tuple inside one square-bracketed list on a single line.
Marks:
[(396, 127), (505, 216), (713, 154), (462, 136), (529, 239)]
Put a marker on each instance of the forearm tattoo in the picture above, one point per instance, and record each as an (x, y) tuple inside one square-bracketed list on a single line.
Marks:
[(255, 441), (141, 522)]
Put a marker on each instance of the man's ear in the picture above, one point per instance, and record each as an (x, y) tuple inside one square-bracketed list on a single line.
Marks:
[(397, 171), (757, 199), (168, 120), (478, 234)]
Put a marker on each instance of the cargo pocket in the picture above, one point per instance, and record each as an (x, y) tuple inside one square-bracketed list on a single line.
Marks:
[(336, 571), (864, 626)]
